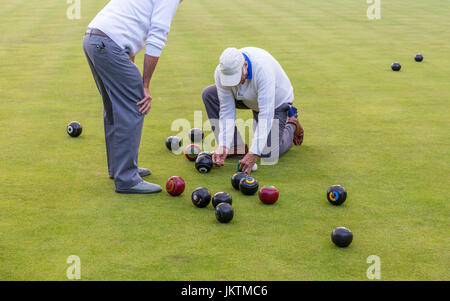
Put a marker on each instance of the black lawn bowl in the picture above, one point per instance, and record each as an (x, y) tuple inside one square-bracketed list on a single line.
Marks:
[(236, 179), (248, 185), (224, 213), (204, 163), (342, 237), (336, 195), (418, 58), (221, 197), (74, 129), (201, 197), (173, 143), (205, 154), (196, 135), (396, 66)]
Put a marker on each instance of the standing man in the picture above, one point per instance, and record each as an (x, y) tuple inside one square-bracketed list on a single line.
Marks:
[(112, 40), (251, 78)]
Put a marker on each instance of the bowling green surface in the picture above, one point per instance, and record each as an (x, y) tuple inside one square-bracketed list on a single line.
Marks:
[(383, 135)]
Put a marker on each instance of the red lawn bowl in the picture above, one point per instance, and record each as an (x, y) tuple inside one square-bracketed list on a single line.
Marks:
[(191, 152), (175, 186), (268, 194)]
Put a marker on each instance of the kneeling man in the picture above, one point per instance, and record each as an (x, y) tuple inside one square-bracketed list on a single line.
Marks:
[(251, 78)]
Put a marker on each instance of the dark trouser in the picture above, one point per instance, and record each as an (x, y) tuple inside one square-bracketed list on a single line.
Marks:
[(285, 131), (120, 84)]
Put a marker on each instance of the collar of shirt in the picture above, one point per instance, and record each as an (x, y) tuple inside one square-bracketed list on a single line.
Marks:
[(250, 73)]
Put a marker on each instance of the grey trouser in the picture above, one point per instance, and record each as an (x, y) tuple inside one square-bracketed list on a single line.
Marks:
[(120, 84), (286, 131)]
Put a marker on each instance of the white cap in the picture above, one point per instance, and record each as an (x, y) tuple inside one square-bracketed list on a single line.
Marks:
[(231, 63)]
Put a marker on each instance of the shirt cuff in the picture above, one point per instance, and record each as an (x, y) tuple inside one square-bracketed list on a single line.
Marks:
[(153, 51), (254, 149)]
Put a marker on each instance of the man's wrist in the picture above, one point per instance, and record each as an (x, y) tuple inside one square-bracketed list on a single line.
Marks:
[(223, 149), (253, 154)]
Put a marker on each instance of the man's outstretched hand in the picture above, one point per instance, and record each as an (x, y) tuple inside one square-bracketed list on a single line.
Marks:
[(145, 103), (219, 156), (246, 164)]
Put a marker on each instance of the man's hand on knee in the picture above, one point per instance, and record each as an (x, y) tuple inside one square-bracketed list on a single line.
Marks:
[(219, 156)]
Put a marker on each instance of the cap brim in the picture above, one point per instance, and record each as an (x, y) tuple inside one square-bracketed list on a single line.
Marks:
[(230, 80)]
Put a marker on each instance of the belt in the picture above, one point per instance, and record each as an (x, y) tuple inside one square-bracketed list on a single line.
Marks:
[(96, 32)]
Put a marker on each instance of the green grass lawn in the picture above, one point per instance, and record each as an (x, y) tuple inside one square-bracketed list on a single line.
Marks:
[(383, 135)]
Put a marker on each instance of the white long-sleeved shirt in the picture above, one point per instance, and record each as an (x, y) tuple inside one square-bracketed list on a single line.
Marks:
[(135, 24), (268, 88)]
